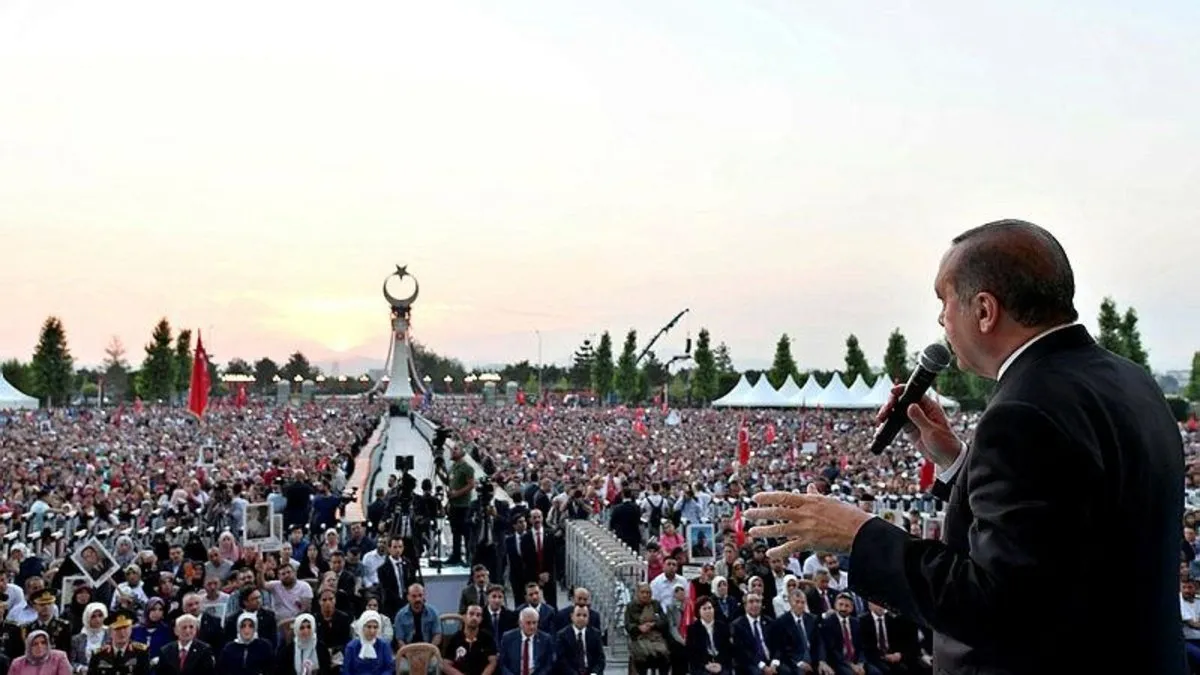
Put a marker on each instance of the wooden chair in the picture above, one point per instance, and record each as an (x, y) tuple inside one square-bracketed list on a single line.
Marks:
[(419, 656), (451, 624)]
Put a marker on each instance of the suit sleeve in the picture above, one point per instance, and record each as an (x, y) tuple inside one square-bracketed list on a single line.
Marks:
[(1027, 483)]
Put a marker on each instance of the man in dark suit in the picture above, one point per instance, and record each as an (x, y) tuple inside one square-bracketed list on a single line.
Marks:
[(794, 637), (187, 655), (498, 619), (538, 548), (395, 576), (626, 521), (751, 653), (842, 639), (581, 597), (527, 651), (517, 576), (476, 592), (1074, 439), (579, 649), (889, 642)]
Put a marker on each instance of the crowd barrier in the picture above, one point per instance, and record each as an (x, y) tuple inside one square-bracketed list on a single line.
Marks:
[(603, 564)]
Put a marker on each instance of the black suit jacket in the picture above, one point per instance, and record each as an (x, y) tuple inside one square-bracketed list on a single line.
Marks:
[(745, 652), (509, 620), (562, 618), (393, 592), (568, 661), (529, 555), (833, 641), (626, 522), (698, 650), (901, 637), (790, 646), (1076, 444), (200, 661)]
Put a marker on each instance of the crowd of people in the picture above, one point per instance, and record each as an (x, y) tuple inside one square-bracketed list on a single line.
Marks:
[(187, 593)]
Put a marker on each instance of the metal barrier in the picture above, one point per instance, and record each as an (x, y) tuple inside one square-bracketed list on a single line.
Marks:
[(603, 564)]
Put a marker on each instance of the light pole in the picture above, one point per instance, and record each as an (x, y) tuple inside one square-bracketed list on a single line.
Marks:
[(540, 390)]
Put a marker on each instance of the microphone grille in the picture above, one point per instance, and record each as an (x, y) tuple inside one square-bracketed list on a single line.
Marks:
[(935, 358)]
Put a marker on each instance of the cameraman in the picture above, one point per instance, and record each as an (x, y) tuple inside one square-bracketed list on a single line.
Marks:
[(462, 485), (486, 528)]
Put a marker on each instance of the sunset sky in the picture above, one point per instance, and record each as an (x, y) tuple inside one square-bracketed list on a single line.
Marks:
[(255, 169)]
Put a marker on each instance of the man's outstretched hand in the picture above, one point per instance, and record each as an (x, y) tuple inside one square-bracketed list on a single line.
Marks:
[(808, 522)]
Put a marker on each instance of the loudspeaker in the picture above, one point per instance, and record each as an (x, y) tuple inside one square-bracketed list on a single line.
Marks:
[(404, 463)]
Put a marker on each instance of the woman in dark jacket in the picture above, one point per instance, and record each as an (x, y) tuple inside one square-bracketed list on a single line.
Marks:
[(248, 654), (303, 654)]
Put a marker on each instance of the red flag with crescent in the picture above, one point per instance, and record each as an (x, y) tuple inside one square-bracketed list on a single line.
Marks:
[(769, 434), (743, 444), (926, 479), (200, 384), (739, 528)]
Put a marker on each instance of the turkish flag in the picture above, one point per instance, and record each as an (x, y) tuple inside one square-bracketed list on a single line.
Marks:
[(200, 384), (290, 429), (926, 480), (520, 398), (239, 398), (689, 607), (739, 529), (743, 444), (769, 435)]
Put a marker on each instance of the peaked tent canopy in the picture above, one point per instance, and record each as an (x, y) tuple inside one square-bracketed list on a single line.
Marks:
[(858, 390), (738, 397), (12, 399), (788, 390), (879, 394), (836, 395), (763, 395), (809, 394)]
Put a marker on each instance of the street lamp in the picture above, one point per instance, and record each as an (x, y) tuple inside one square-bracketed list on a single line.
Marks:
[(539, 337), (448, 380)]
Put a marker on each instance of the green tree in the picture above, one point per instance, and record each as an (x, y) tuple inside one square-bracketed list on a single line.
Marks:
[(239, 367), (183, 360), (626, 381), (655, 373), (298, 365), (723, 361), (52, 366), (602, 368), (18, 374), (160, 369), (1110, 328), (704, 376), (1193, 388), (265, 371), (783, 365), (581, 366), (856, 361), (970, 390), (1131, 338), (115, 370), (895, 359)]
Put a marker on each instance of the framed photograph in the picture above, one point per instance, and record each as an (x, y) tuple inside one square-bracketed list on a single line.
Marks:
[(256, 523), (67, 593), (700, 538), (94, 561), (217, 609), (275, 542), (931, 527)]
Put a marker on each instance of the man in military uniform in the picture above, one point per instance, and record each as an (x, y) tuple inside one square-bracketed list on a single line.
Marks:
[(58, 629), (120, 656)]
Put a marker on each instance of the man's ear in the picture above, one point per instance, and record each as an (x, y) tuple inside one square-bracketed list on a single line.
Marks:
[(987, 312)]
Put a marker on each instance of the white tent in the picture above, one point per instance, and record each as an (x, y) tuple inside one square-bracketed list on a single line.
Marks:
[(836, 395), (738, 397), (12, 399), (858, 390), (809, 394), (879, 394), (789, 390), (763, 395)]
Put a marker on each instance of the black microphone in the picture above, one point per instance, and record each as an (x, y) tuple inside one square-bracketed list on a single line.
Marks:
[(932, 361)]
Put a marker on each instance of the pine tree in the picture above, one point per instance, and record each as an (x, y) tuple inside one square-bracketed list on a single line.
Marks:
[(1131, 338), (602, 368), (52, 366), (265, 371), (183, 360), (626, 381), (783, 365), (298, 364), (704, 376), (1193, 388), (1110, 328), (581, 368), (19, 375), (159, 371), (856, 361), (722, 360), (116, 370), (895, 359)]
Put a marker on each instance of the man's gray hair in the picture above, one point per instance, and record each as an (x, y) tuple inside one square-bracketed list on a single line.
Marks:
[(530, 613), (185, 619)]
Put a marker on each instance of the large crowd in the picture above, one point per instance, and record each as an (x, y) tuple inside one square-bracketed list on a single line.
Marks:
[(166, 497)]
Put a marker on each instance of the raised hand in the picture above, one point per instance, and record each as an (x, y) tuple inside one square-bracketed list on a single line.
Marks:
[(928, 428)]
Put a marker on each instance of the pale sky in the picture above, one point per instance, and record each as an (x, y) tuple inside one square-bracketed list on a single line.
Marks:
[(255, 169)]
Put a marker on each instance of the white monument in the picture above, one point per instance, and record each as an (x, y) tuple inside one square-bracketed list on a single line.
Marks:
[(401, 377)]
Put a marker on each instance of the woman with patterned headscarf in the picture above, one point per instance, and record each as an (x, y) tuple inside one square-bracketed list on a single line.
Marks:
[(40, 658), (367, 654), (303, 653), (90, 638), (248, 654)]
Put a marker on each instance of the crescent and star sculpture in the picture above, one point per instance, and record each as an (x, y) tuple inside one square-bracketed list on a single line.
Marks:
[(400, 273)]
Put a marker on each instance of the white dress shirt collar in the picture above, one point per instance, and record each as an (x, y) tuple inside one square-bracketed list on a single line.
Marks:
[(1021, 350)]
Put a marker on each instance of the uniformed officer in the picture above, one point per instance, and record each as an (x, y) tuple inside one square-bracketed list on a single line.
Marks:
[(57, 628), (120, 656)]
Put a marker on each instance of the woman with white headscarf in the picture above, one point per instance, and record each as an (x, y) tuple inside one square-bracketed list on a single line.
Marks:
[(781, 602), (303, 653), (367, 654), (248, 654), (91, 638)]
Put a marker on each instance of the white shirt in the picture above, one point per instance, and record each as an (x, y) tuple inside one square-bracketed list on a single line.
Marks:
[(947, 474), (532, 653), (1189, 611), (371, 562)]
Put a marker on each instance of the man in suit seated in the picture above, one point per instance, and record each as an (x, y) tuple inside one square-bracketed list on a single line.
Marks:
[(475, 593), (527, 651), (186, 655), (890, 642), (842, 639), (533, 600), (794, 639), (751, 653), (498, 619), (582, 597), (579, 649)]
